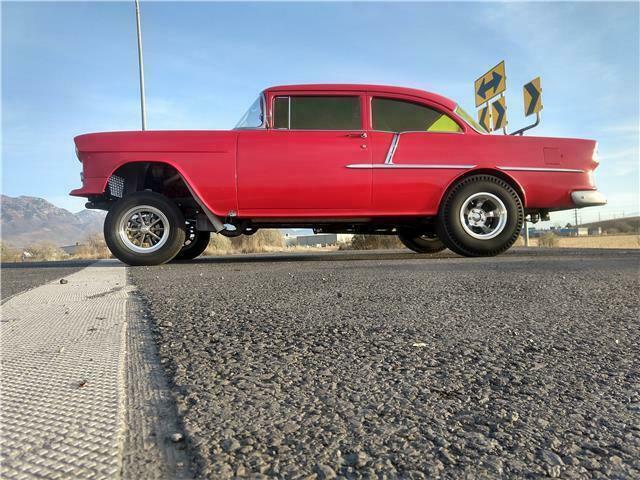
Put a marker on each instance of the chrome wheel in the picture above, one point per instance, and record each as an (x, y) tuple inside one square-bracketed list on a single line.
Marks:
[(144, 229), (483, 216)]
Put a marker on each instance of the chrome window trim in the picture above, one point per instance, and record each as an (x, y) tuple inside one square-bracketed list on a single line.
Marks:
[(392, 149), (410, 166), (288, 97), (540, 169), (417, 131)]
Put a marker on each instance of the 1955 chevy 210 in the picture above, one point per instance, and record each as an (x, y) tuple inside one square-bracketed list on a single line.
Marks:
[(335, 158)]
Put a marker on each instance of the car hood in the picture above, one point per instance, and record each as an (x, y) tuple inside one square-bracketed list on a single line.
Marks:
[(157, 141)]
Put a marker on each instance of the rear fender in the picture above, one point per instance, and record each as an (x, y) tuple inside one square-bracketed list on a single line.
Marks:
[(487, 171)]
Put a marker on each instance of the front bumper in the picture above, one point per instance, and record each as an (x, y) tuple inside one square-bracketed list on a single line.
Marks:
[(588, 198), (90, 186)]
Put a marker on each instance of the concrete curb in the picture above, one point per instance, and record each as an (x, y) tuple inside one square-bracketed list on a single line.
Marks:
[(62, 396)]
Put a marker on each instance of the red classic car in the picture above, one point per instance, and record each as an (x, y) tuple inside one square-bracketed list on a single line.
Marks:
[(335, 158)]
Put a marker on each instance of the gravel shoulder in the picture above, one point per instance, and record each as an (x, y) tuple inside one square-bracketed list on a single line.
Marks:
[(363, 365)]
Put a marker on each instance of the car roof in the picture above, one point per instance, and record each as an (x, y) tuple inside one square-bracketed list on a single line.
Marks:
[(327, 87)]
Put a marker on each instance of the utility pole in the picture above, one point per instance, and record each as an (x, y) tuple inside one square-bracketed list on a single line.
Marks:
[(143, 108), (526, 233), (575, 214)]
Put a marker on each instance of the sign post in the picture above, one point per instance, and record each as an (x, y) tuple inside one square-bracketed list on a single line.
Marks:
[(143, 109)]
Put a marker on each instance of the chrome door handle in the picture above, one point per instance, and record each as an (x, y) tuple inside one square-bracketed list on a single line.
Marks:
[(357, 135)]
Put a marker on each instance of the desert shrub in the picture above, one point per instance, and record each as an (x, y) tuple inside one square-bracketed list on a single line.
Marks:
[(9, 254), (94, 247), (262, 241), (45, 252), (548, 239), (375, 242), (218, 245)]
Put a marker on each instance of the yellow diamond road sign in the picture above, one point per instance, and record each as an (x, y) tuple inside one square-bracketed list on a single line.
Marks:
[(492, 83), (484, 118), (532, 92), (499, 113)]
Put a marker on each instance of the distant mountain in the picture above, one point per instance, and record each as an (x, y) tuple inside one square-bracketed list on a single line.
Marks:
[(29, 220)]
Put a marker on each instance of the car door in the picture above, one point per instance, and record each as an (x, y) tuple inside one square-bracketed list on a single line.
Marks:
[(298, 165), (416, 151)]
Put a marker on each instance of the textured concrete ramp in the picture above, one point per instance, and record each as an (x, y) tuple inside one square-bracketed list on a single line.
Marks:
[(62, 396)]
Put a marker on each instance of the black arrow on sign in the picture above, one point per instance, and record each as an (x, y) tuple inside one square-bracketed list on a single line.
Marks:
[(501, 111), (535, 95), (483, 118), (486, 86)]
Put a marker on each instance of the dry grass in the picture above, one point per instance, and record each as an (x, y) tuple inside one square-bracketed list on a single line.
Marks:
[(548, 240), (374, 242), (262, 241), (8, 254), (600, 241), (94, 247), (45, 252)]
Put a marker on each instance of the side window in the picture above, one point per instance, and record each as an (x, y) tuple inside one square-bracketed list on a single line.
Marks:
[(317, 113), (391, 115)]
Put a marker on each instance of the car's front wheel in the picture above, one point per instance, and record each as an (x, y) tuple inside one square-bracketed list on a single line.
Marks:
[(144, 228), (421, 242), (481, 216)]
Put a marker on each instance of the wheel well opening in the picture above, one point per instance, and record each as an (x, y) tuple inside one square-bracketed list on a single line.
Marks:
[(154, 176), (150, 176), (494, 173)]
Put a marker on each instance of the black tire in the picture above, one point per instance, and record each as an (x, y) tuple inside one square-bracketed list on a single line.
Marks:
[(456, 237), (421, 242), (195, 243), (116, 240)]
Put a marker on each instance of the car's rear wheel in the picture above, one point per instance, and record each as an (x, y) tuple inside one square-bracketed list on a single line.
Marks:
[(481, 216), (421, 242), (195, 243), (144, 228)]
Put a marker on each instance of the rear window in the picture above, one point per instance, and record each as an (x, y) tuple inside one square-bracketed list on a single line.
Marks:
[(391, 115), (317, 113)]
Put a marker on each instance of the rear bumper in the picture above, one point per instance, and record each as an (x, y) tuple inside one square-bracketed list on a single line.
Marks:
[(588, 198)]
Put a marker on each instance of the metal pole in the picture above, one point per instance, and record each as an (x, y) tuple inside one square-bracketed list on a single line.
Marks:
[(526, 233), (143, 108)]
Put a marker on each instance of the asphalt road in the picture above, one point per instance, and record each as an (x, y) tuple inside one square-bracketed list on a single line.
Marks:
[(19, 277), (365, 365)]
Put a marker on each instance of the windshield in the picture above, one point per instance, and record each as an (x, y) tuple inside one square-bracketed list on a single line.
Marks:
[(254, 116), (469, 119)]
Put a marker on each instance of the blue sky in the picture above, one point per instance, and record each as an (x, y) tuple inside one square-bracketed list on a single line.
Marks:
[(71, 68)]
